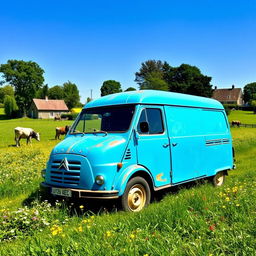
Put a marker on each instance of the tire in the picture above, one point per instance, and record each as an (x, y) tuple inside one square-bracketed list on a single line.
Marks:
[(218, 179), (136, 196)]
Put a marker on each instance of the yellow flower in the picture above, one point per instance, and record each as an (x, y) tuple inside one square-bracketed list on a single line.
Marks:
[(145, 254), (84, 221), (80, 228), (108, 234), (88, 226), (81, 207), (227, 199), (132, 236), (223, 206), (237, 205)]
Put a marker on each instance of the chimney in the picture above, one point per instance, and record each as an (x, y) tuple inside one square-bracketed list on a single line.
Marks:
[(46, 98), (233, 86)]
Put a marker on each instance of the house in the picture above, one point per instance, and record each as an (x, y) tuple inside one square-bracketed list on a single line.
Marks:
[(229, 96), (47, 109)]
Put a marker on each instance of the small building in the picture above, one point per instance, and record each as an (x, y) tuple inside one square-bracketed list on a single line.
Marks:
[(229, 96), (47, 109)]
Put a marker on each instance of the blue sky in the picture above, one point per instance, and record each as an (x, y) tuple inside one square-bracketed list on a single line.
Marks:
[(88, 42)]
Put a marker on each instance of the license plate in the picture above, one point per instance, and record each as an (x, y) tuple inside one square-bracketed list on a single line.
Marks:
[(61, 192)]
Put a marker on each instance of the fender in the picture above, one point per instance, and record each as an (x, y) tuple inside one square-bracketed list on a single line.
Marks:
[(126, 174)]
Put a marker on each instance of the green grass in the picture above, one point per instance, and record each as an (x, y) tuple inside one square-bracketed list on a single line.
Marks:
[(200, 220), (245, 117)]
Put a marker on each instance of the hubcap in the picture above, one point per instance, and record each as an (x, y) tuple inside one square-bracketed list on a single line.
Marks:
[(136, 198), (219, 179)]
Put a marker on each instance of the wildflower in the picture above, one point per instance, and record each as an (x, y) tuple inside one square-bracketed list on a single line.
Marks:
[(132, 236), (81, 207), (223, 206), (84, 221), (212, 227), (227, 199), (237, 205), (108, 234), (80, 228), (145, 254)]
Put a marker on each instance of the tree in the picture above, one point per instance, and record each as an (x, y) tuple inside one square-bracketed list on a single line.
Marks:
[(147, 68), (130, 89), (110, 87), (154, 81), (56, 93), (10, 106), (71, 94), (250, 92), (4, 91), (26, 77), (42, 92), (189, 79)]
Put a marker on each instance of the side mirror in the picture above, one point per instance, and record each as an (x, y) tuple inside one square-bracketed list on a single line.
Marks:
[(144, 127)]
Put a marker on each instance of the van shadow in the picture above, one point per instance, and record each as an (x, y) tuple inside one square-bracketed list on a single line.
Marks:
[(79, 207), (73, 207)]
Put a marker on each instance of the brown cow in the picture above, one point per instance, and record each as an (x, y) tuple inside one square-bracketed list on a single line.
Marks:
[(61, 131), (236, 122)]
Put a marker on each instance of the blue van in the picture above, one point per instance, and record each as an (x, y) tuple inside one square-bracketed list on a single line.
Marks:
[(128, 145)]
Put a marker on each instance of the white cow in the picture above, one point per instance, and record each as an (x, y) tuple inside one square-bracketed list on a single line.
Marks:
[(25, 133)]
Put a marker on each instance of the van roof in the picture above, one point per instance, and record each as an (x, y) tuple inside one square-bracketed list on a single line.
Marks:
[(154, 97)]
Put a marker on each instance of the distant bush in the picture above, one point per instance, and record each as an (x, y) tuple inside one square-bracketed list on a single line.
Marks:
[(10, 107), (227, 109), (70, 116), (1, 105)]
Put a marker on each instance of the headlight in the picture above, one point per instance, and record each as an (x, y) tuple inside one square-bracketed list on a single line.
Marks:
[(99, 180), (43, 173)]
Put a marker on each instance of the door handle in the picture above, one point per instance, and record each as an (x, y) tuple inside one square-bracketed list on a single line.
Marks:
[(166, 145), (174, 144)]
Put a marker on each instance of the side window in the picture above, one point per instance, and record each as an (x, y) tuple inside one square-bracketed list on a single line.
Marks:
[(153, 116)]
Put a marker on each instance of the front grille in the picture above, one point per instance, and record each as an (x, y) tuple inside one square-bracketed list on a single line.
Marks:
[(128, 154), (63, 176)]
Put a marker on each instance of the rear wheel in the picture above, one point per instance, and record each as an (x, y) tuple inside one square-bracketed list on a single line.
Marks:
[(218, 179), (136, 195)]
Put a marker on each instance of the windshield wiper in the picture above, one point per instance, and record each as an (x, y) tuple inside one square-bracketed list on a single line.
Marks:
[(96, 132)]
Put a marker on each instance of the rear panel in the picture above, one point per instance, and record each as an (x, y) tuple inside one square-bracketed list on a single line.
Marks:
[(201, 144)]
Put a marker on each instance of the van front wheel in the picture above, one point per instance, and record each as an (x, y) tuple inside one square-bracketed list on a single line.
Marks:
[(218, 179), (136, 195)]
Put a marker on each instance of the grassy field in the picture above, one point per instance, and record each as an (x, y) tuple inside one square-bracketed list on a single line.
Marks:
[(199, 220), (245, 117)]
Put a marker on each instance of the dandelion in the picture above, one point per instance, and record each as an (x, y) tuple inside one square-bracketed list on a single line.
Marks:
[(80, 228), (227, 199), (81, 207), (132, 236), (108, 234)]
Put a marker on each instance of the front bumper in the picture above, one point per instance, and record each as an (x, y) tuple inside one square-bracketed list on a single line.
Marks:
[(81, 193)]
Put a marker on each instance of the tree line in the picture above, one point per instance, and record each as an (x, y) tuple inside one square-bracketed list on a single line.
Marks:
[(160, 75), (26, 81)]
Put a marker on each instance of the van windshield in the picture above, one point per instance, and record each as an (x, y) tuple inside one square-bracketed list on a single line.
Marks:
[(104, 119)]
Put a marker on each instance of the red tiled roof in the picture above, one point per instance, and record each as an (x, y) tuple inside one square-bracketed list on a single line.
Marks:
[(227, 94), (44, 104)]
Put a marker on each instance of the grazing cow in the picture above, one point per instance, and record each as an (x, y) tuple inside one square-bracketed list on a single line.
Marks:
[(25, 133), (61, 131), (236, 122)]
